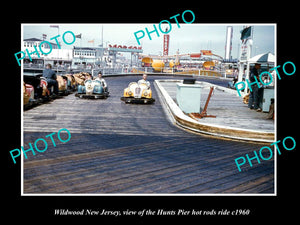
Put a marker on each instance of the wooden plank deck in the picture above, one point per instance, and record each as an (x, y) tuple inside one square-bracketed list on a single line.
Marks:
[(162, 167), (136, 150), (228, 108)]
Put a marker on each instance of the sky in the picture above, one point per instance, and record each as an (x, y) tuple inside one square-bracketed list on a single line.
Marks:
[(189, 38)]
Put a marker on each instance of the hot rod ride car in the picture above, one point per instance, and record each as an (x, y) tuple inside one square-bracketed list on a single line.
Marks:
[(136, 93), (91, 89)]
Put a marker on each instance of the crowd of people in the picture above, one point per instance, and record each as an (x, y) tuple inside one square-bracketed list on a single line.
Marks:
[(51, 78)]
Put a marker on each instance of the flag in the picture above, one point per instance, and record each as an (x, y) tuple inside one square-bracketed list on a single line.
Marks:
[(245, 33), (54, 26), (78, 36)]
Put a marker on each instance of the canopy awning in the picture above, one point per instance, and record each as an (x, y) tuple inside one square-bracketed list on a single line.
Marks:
[(263, 58)]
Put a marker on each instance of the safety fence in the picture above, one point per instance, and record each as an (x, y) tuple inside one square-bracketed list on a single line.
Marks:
[(35, 69)]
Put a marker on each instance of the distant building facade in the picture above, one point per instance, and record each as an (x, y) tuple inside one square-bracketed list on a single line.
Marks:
[(56, 57), (76, 57), (84, 55)]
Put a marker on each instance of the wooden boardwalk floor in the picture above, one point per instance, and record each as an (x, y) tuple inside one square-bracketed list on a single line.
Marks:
[(229, 110), (118, 148)]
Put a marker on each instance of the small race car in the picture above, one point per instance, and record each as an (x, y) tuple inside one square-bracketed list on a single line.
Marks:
[(91, 89), (28, 96), (136, 93), (62, 84)]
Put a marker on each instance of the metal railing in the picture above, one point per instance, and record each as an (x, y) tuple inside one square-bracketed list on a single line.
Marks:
[(67, 69)]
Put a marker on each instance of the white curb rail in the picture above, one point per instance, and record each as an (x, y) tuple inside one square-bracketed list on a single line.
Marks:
[(187, 122)]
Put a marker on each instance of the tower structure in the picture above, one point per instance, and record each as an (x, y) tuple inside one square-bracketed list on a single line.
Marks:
[(166, 43), (228, 46)]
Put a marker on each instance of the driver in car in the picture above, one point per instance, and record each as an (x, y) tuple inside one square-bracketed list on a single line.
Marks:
[(50, 76), (144, 81), (102, 81)]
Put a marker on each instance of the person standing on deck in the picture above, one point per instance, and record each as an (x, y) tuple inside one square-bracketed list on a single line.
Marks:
[(254, 94)]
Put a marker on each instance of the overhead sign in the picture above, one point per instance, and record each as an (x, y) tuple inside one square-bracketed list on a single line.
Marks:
[(245, 33), (166, 44), (124, 48), (206, 52), (195, 55), (244, 52), (245, 46)]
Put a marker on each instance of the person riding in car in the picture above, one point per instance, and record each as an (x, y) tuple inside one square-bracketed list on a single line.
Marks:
[(103, 82), (144, 81)]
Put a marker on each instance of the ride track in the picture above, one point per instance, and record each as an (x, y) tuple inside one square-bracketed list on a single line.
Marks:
[(133, 149)]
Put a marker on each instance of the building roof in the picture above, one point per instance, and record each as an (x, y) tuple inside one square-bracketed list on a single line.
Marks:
[(84, 48), (40, 40), (32, 39)]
